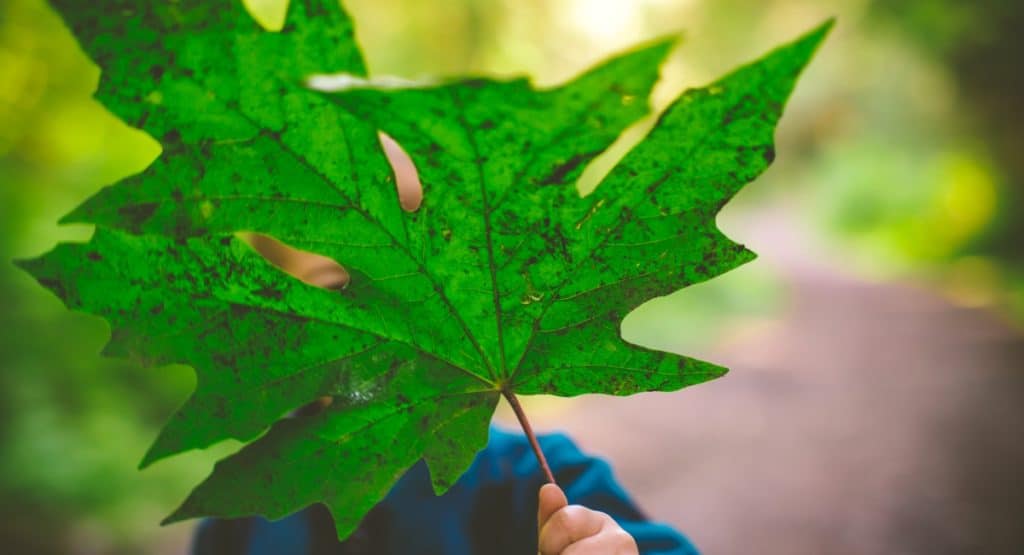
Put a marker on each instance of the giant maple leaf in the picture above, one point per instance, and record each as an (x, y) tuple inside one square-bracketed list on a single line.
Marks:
[(504, 281)]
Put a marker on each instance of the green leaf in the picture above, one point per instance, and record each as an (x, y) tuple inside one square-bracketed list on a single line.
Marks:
[(504, 280)]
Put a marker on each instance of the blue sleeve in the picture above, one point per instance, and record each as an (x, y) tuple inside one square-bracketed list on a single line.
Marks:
[(588, 481)]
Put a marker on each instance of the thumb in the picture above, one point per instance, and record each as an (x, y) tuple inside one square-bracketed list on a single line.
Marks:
[(550, 499)]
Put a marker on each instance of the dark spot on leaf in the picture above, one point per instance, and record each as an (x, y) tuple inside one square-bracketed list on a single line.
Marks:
[(137, 214), (558, 174), (172, 137), (269, 293), (271, 134)]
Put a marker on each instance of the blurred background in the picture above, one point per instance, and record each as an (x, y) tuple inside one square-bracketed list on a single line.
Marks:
[(877, 383)]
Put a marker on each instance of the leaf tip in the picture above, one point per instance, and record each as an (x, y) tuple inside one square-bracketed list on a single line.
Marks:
[(699, 371), (25, 264), (344, 526), (75, 216), (666, 42), (440, 487), (815, 36), (159, 450), (658, 47), (718, 372), (148, 459), (184, 512), (44, 274)]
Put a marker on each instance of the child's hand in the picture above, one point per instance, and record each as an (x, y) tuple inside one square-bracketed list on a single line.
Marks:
[(576, 530)]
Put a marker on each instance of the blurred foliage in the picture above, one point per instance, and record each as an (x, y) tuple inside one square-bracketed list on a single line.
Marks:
[(902, 145), (979, 45), (73, 426)]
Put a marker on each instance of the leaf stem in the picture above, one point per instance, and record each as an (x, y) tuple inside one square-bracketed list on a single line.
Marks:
[(514, 402)]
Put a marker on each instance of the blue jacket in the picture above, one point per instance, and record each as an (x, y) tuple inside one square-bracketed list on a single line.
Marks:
[(491, 510)]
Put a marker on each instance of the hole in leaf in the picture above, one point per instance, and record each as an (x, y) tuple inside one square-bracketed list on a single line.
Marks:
[(407, 179), (270, 14), (311, 268)]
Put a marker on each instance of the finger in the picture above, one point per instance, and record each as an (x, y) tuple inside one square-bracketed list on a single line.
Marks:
[(549, 499), (567, 526), (609, 541)]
